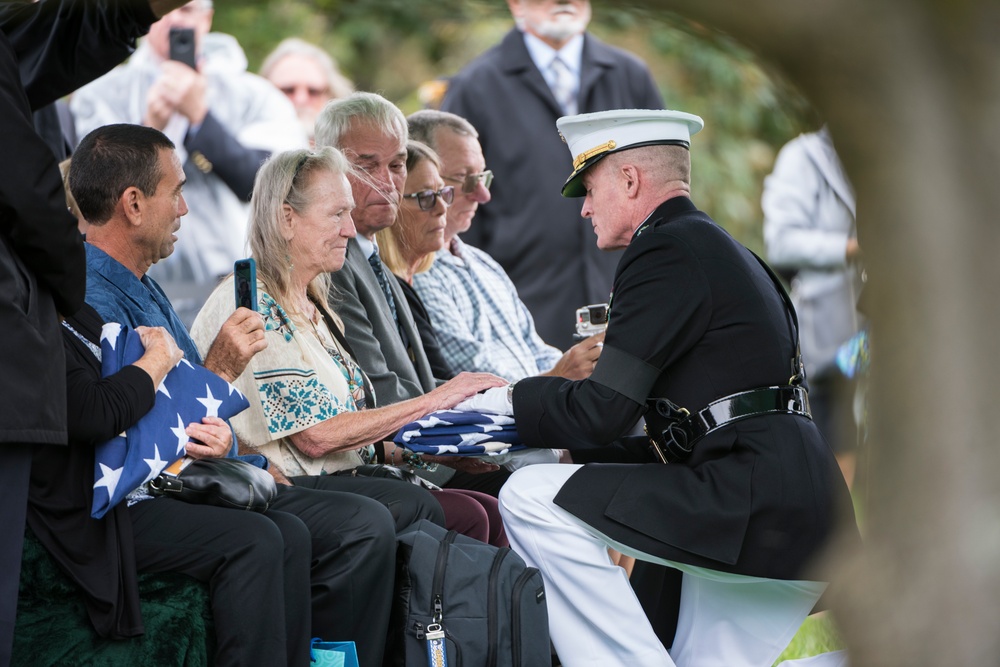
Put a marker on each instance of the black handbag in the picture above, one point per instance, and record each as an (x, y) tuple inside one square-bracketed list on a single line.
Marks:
[(221, 482), (388, 472)]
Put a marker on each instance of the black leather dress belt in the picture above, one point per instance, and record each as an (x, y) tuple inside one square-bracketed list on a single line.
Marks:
[(675, 443)]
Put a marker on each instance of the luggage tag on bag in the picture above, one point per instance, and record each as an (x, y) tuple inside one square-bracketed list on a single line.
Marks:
[(437, 655)]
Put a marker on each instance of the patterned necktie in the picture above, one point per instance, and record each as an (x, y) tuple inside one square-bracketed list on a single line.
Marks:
[(563, 85), (383, 282)]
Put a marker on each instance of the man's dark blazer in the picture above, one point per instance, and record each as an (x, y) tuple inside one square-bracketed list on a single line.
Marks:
[(694, 318), (537, 235), (372, 332)]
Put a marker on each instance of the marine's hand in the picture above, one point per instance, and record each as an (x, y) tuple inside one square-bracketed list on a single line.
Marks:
[(578, 362), (493, 401), (461, 387)]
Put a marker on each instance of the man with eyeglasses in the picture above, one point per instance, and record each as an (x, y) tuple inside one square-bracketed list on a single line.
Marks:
[(224, 121), (307, 76), (479, 320)]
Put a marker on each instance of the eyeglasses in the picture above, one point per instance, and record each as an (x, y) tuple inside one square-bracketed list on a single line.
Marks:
[(470, 181), (426, 199), (313, 93)]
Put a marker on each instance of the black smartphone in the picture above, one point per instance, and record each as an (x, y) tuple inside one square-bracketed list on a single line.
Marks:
[(182, 46), (245, 283)]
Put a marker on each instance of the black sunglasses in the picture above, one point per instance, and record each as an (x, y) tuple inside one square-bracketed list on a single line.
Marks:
[(470, 181), (426, 199)]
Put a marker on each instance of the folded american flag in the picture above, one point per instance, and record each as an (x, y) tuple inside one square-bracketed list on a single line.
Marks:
[(450, 432), (188, 394)]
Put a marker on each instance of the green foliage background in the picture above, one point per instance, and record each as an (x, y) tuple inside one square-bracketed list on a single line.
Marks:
[(394, 46)]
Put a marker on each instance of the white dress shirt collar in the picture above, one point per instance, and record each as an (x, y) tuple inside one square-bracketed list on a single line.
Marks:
[(542, 54), (367, 246)]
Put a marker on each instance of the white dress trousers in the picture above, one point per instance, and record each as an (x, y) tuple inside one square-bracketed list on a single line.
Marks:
[(595, 620)]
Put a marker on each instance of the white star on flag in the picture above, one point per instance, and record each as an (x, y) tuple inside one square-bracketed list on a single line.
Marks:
[(109, 478), (210, 402), (182, 437), (110, 332), (156, 464)]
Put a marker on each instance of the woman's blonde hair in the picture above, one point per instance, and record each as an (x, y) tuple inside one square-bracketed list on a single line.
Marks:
[(285, 179), (392, 242)]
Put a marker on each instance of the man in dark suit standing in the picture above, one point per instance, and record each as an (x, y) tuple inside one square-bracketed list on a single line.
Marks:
[(47, 50), (546, 67), (703, 341)]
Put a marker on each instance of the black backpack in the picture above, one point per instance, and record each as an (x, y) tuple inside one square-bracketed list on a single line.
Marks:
[(488, 603)]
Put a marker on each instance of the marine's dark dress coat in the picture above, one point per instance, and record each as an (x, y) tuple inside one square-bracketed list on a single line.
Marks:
[(757, 497)]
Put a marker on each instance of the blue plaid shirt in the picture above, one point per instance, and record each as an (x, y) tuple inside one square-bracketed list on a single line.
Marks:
[(481, 323)]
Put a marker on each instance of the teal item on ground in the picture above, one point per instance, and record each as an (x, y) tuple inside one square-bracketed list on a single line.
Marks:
[(332, 654)]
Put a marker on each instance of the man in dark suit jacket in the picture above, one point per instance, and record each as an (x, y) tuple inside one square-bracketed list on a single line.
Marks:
[(372, 133), (47, 50), (752, 490), (507, 95)]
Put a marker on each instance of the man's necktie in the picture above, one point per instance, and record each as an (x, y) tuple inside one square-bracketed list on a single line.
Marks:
[(383, 282), (563, 85)]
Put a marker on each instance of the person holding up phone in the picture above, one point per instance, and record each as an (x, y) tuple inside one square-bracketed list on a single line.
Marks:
[(245, 280), (192, 85)]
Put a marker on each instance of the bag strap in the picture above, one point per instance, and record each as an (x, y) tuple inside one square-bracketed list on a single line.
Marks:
[(342, 341), (365, 382)]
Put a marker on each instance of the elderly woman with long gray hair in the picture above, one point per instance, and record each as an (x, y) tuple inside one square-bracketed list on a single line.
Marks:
[(313, 411)]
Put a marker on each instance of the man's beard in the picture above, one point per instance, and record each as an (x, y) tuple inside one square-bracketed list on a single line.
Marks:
[(561, 27)]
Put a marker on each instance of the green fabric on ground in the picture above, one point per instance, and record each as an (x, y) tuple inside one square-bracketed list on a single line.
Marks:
[(53, 629)]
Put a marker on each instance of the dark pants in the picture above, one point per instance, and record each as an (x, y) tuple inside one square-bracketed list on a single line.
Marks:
[(408, 503), (487, 482), (261, 568), (15, 469)]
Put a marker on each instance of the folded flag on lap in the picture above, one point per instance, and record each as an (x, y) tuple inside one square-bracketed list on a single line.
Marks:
[(451, 432), (188, 394)]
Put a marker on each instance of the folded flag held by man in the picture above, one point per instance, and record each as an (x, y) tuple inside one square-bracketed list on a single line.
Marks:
[(188, 394)]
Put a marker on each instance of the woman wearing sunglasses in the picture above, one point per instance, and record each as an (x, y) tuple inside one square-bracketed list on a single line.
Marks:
[(409, 245)]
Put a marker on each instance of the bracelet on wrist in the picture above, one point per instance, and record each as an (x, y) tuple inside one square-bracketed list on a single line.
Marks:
[(413, 460)]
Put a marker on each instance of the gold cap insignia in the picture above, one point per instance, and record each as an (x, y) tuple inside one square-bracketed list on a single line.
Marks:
[(597, 150)]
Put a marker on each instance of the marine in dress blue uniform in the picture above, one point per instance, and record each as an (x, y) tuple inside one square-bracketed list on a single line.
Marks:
[(702, 341)]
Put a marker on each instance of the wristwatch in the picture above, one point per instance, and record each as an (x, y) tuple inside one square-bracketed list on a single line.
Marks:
[(510, 393)]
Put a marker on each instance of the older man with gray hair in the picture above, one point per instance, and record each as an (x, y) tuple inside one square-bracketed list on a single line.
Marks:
[(378, 323), (479, 319)]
